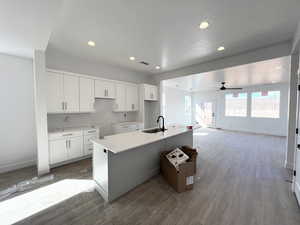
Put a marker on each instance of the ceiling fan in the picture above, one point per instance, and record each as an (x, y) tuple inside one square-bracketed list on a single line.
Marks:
[(223, 88)]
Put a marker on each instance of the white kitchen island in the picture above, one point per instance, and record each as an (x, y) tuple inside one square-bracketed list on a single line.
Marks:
[(123, 161)]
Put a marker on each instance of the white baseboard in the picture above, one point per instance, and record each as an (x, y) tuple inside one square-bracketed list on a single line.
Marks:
[(297, 191), (18, 165), (288, 165)]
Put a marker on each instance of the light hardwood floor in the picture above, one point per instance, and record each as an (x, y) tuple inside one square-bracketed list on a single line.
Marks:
[(240, 181)]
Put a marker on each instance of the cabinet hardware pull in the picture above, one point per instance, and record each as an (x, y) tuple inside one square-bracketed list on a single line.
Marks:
[(66, 143), (91, 131), (69, 144), (67, 134), (63, 105)]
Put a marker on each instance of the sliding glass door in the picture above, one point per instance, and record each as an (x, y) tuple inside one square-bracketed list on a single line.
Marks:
[(205, 114)]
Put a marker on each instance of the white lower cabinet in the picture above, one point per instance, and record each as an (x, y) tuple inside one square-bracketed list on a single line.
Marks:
[(70, 145), (58, 151), (75, 149)]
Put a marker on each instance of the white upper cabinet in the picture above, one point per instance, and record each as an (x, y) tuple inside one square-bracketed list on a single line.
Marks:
[(132, 99), (55, 93), (126, 98), (62, 93), (120, 101), (71, 93), (104, 89), (150, 92), (86, 97)]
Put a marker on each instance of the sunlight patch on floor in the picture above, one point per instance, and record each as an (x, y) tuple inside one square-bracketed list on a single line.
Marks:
[(23, 206)]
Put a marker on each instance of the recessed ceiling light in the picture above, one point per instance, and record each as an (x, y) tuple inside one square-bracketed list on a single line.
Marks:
[(132, 58), (204, 25), (221, 48), (91, 43), (157, 67)]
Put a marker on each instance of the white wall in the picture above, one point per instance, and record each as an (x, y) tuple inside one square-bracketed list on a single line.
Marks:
[(17, 125), (248, 124), (40, 107), (174, 109)]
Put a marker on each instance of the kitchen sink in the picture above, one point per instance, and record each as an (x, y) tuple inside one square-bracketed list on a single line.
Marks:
[(154, 130)]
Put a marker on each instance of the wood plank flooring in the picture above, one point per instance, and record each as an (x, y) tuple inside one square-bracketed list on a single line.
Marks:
[(240, 181)]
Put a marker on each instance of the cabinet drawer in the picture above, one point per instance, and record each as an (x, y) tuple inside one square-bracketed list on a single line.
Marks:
[(64, 134)]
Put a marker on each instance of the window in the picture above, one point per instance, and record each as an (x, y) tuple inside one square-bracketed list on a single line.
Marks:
[(265, 104), (236, 104)]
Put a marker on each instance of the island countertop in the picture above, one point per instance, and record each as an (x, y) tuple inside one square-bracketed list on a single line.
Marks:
[(122, 142)]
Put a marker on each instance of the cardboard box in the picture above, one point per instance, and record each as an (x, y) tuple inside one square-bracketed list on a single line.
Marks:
[(183, 179)]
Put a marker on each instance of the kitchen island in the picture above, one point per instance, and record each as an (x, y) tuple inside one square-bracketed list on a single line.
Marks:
[(123, 161)]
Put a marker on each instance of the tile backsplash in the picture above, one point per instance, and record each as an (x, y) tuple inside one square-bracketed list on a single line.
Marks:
[(103, 118)]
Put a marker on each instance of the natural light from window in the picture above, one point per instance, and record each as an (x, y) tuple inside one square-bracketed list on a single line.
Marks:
[(236, 104), (25, 205), (265, 104)]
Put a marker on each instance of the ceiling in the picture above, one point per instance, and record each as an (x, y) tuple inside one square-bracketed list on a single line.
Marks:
[(26, 25), (167, 33), (259, 73)]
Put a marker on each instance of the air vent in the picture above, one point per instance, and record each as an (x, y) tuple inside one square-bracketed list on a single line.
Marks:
[(144, 63)]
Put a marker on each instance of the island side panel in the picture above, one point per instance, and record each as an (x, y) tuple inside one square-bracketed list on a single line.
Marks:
[(179, 140), (133, 167), (100, 170)]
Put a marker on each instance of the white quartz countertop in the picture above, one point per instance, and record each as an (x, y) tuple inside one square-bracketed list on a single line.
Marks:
[(126, 141), (71, 129)]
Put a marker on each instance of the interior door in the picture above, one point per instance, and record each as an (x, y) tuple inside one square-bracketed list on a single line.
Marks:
[(71, 93), (205, 114)]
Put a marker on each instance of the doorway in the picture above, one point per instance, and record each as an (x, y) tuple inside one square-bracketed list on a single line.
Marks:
[(205, 114)]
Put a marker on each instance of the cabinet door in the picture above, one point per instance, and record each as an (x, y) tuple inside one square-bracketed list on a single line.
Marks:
[(104, 89), (151, 92), (58, 151), (86, 97), (75, 147), (147, 92), (55, 94), (120, 102), (132, 98), (154, 92), (71, 93)]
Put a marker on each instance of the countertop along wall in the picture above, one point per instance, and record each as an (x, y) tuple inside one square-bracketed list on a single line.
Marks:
[(256, 125), (17, 129), (104, 116)]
